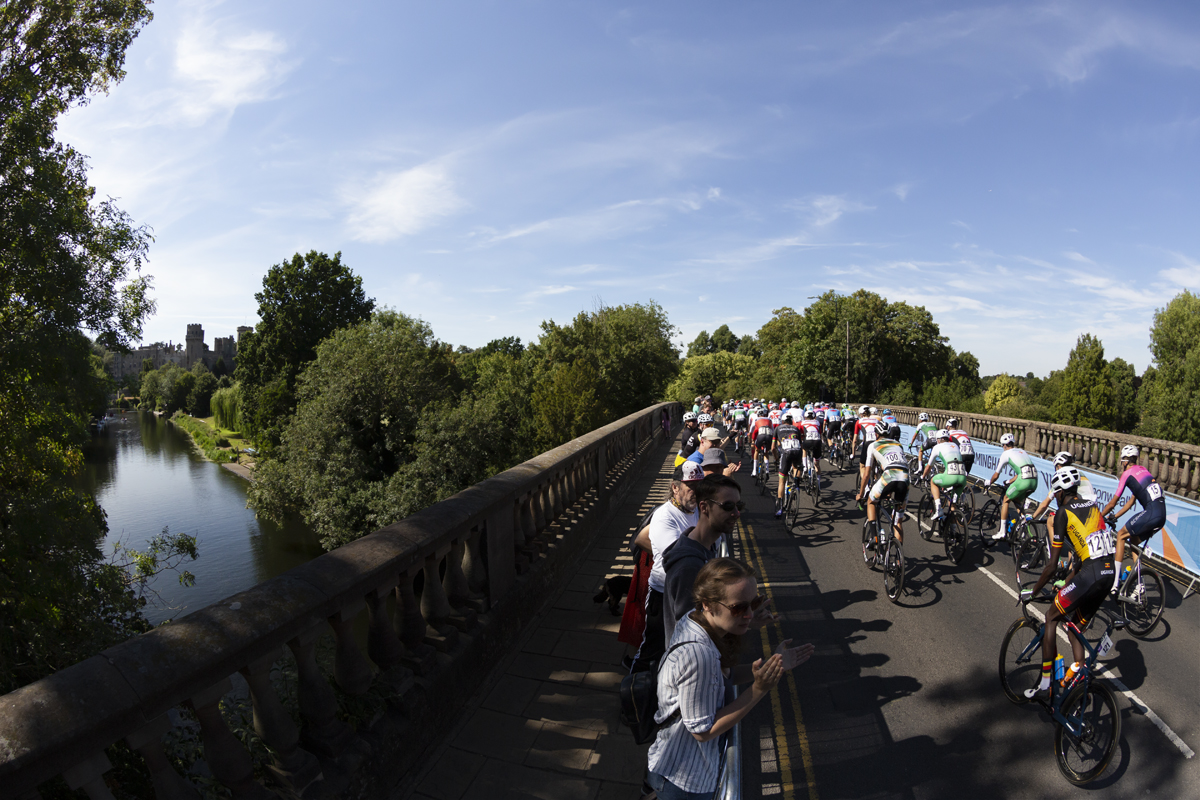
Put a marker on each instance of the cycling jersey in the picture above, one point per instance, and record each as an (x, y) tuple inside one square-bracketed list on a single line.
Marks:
[(689, 441), (888, 455), (1141, 485), (760, 429), (1080, 523), (775, 415), (1022, 465), (924, 432), (788, 442), (964, 442), (953, 473), (868, 426)]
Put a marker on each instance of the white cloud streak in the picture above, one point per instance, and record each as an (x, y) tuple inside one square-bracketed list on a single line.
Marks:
[(396, 204)]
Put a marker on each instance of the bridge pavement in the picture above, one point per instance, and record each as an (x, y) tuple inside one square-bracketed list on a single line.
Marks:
[(900, 701)]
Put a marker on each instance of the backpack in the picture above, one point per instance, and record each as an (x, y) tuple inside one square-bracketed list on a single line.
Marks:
[(639, 700)]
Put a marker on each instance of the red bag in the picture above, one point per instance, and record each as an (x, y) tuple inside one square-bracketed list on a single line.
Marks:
[(633, 621)]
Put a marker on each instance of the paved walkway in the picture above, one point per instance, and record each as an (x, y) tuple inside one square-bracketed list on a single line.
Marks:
[(545, 724)]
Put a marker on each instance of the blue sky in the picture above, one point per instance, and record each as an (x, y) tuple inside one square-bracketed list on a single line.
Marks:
[(1027, 172)]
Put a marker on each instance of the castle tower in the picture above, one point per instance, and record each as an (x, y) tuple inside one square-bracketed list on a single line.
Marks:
[(194, 349)]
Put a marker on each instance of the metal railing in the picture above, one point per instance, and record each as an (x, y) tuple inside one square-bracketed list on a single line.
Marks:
[(459, 572)]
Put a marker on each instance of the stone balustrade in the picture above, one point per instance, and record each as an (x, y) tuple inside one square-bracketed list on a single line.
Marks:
[(440, 595), (1174, 465)]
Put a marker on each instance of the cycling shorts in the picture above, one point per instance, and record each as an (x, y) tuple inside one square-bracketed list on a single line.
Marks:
[(860, 452), (813, 448), (1080, 598), (763, 441), (741, 424), (1019, 489), (1147, 522), (968, 462), (895, 486), (953, 482), (789, 460)]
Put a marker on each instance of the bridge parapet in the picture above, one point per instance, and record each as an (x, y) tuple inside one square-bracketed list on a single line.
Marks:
[(445, 592)]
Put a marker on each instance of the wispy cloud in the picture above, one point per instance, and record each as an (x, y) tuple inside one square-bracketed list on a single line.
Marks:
[(1078, 257), (609, 221), (391, 205), (828, 208)]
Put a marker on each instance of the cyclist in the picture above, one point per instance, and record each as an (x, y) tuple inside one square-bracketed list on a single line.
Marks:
[(1080, 523), (951, 478), (775, 414), (1020, 487), (1143, 488), (761, 438), (888, 418), (739, 424), (812, 443), (1085, 490), (887, 454), (833, 425), (787, 443), (963, 441), (922, 435), (865, 432), (689, 438)]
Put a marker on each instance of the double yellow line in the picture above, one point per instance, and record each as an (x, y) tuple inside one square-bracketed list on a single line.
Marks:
[(787, 781)]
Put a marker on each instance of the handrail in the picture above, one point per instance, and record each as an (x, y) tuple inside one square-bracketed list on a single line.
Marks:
[(466, 554), (730, 786), (1175, 465)]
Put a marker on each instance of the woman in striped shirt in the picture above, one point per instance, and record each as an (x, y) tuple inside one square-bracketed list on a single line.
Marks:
[(695, 678)]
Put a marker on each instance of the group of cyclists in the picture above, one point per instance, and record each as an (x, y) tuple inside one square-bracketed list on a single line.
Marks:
[(796, 436)]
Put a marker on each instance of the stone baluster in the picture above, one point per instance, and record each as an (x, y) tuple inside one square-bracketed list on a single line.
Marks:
[(474, 567), (411, 625), (322, 732), (383, 645), (454, 584), (436, 608), (291, 764), (527, 519), (88, 775), (167, 783), (350, 667), (224, 754), (558, 492)]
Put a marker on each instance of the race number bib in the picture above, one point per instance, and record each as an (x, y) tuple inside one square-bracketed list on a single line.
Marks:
[(790, 444), (965, 448), (811, 434), (896, 461), (1154, 491), (1101, 543), (955, 468), (1028, 471), (869, 433)]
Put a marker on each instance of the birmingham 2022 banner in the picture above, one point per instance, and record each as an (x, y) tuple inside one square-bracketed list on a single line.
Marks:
[(1179, 540)]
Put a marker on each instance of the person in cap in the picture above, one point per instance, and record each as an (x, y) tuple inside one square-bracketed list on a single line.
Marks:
[(670, 521), (715, 462)]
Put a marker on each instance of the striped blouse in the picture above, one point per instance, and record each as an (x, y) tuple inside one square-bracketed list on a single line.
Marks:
[(689, 679)]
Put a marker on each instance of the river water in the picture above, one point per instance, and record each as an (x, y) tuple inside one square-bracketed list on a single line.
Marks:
[(147, 476)]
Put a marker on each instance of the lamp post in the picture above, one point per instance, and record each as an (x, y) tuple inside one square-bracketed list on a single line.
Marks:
[(840, 297)]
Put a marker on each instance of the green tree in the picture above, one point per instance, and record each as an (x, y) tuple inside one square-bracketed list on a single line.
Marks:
[(1086, 398), (302, 302), (701, 345), (67, 262), (1003, 389), (1125, 382), (721, 374), (724, 341), (1172, 387)]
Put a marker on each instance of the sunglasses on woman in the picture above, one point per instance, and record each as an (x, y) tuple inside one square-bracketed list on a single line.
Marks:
[(740, 609)]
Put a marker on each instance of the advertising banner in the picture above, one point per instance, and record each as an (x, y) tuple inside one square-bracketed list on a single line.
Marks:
[(1179, 540)]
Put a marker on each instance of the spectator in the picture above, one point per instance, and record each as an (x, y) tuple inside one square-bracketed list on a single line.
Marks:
[(670, 521), (695, 709)]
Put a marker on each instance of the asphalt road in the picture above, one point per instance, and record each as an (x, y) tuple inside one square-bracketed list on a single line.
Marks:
[(903, 700)]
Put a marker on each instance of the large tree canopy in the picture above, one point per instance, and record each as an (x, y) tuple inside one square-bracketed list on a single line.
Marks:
[(302, 302)]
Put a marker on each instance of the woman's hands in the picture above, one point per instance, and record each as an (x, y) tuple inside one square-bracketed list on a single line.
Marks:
[(767, 673), (794, 656), (763, 615)]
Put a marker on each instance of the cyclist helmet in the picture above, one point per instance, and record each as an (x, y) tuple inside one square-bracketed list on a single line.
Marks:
[(952, 422), (1063, 459), (863, 410), (1008, 439), (1065, 478), (1129, 453), (893, 431), (704, 419), (942, 435), (809, 414), (887, 412), (922, 417), (873, 410), (795, 404), (783, 400), (688, 416)]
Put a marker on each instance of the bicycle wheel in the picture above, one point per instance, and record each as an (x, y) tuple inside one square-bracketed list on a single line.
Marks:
[(1082, 758), (925, 517), (1142, 608), (966, 504), (815, 481), (893, 570), (987, 519), (1020, 660), (868, 550), (954, 537), (1026, 548)]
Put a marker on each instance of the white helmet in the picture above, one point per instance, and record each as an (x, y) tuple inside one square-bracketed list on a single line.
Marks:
[(863, 410), (952, 423), (1065, 478), (810, 414), (942, 436), (688, 416), (1129, 452), (1063, 459), (1008, 439), (704, 419), (874, 410), (922, 417)]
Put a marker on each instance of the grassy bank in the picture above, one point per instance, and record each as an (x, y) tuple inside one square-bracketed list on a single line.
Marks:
[(208, 440)]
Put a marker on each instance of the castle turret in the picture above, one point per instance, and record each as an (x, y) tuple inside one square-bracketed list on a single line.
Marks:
[(195, 345)]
